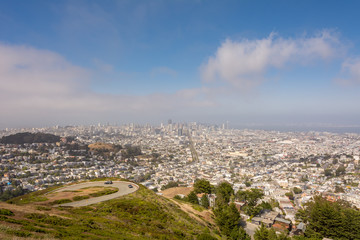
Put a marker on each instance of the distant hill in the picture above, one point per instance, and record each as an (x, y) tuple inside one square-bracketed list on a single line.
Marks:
[(26, 137), (139, 215)]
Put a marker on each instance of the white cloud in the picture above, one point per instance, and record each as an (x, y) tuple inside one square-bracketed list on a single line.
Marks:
[(39, 87), (244, 63), (350, 71)]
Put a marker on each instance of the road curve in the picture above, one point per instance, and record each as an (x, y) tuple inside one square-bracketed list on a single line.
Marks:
[(121, 185)]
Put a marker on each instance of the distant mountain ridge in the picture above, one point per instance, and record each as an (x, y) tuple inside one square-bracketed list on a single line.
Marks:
[(27, 137)]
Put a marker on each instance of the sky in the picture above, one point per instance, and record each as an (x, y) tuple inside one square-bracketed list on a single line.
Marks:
[(131, 61)]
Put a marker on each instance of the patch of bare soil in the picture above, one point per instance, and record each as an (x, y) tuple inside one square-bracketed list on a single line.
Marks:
[(172, 192)]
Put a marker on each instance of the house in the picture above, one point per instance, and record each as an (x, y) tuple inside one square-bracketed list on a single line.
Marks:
[(282, 224), (300, 229), (260, 220)]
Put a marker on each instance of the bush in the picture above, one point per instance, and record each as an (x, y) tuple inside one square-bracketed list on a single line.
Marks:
[(205, 236), (78, 198), (61, 201), (104, 192), (6, 212), (43, 208), (35, 229), (178, 197), (53, 220), (19, 233)]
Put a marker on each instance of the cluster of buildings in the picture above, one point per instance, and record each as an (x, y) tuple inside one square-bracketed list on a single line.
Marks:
[(277, 162)]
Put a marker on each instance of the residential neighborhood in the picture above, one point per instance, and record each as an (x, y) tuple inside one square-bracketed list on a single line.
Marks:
[(289, 167)]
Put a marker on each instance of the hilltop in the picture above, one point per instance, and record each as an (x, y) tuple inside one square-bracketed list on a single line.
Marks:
[(139, 215), (27, 137)]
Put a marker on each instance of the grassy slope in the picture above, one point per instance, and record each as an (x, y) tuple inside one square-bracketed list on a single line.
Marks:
[(140, 215)]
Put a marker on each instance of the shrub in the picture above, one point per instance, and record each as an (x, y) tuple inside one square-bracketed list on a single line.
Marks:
[(43, 208), (104, 192), (78, 198), (61, 201), (6, 212)]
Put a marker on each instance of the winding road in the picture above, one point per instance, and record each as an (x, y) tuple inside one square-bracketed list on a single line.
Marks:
[(122, 186)]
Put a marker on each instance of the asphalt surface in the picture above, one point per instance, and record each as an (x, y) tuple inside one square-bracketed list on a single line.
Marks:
[(122, 186)]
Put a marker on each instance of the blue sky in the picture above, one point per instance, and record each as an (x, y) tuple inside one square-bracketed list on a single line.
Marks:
[(262, 62)]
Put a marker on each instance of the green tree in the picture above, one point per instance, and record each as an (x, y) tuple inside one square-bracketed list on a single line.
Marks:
[(192, 198), (205, 201), (297, 190), (251, 198), (261, 233), (202, 186), (334, 220), (290, 195), (227, 218), (223, 192), (247, 183), (239, 233), (340, 170), (328, 172)]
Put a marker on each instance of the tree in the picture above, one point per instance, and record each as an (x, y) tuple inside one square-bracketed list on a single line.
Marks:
[(192, 198), (223, 192), (202, 186), (205, 201), (239, 234), (290, 195), (297, 190), (334, 220), (251, 198), (328, 172), (261, 233), (227, 218), (340, 170), (247, 183)]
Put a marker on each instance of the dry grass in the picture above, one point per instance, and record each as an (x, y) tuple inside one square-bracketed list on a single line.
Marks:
[(172, 192), (203, 216)]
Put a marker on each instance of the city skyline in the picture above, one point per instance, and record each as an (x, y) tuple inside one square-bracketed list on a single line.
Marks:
[(84, 62)]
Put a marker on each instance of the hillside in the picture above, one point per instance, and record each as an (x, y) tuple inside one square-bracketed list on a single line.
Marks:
[(139, 215), (26, 137)]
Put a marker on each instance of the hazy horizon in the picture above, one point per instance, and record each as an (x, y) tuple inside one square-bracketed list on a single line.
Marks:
[(250, 63)]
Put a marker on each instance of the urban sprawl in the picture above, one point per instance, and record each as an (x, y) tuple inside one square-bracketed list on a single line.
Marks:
[(276, 162)]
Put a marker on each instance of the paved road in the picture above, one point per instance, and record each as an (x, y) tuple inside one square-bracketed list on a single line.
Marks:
[(122, 186)]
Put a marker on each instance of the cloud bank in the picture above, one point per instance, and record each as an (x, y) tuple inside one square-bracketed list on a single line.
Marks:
[(40, 87), (243, 64)]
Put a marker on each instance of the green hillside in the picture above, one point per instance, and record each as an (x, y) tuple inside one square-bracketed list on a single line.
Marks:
[(140, 215)]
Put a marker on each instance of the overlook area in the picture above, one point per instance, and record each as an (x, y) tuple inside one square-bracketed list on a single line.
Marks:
[(138, 215)]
